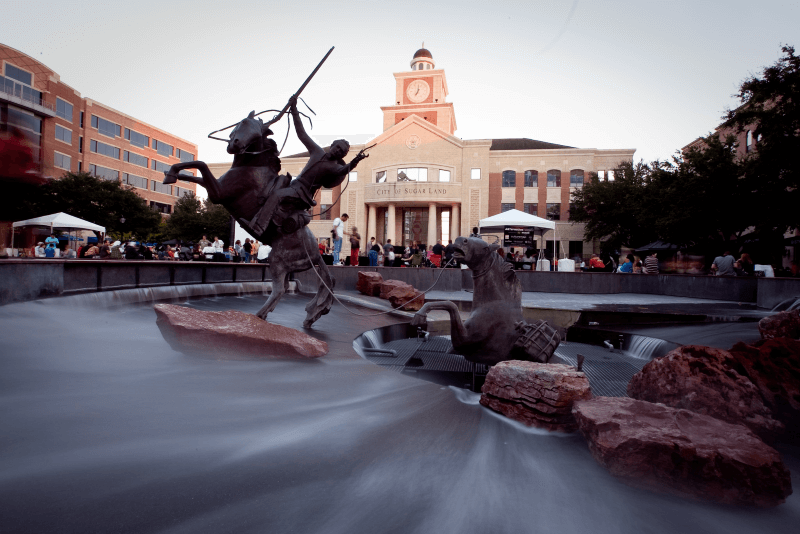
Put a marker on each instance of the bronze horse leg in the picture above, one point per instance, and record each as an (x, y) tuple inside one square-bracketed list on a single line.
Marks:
[(206, 178)]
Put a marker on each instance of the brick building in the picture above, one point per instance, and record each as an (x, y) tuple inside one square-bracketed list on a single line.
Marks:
[(69, 132), (422, 183)]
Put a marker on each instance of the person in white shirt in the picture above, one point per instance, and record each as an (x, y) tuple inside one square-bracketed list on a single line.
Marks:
[(338, 234), (218, 245)]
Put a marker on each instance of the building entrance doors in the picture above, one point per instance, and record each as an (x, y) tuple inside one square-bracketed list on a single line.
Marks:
[(415, 226)]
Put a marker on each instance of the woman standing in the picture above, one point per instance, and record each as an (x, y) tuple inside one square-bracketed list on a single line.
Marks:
[(355, 244)]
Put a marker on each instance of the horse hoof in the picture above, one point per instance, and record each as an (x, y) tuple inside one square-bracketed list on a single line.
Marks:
[(307, 323)]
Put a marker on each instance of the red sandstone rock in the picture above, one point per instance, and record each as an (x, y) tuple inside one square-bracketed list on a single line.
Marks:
[(706, 381), (405, 298), (683, 453), (773, 365), (369, 283), (390, 285), (233, 335), (535, 394), (782, 324)]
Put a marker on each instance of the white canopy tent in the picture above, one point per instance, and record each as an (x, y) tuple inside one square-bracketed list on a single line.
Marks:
[(497, 223), (59, 221)]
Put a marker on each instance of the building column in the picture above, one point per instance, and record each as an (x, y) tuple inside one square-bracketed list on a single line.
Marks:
[(390, 231), (432, 225), (455, 221), (372, 220)]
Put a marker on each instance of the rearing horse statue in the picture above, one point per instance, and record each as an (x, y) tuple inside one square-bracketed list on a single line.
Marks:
[(243, 190)]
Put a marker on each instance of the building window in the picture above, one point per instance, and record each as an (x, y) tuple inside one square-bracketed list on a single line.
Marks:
[(507, 206), (104, 149), (107, 128), (444, 176), (412, 175), (380, 177), (325, 212), (749, 141), (80, 166), (554, 212), (159, 166), (531, 209), (576, 249), (81, 119), (159, 187), (19, 74), (134, 158), (135, 181), (571, 207), (104, 172), (576, 178), (475, 174), (183, 155), (531, 178), (137, 139), (553, 178), (62, 134), (62, 161), (160, 207), (80, 144), (353, 176), (610, 176), (182, 192), (63, 109), (162, 148), (509, 179), (601, 176)]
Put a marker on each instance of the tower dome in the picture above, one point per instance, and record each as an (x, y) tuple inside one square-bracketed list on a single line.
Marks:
[(422, 60)]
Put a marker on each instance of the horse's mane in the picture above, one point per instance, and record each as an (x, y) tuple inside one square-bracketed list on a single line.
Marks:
[(498, 264)]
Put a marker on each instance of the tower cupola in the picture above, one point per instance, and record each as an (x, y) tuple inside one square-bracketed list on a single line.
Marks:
[(422, 60)]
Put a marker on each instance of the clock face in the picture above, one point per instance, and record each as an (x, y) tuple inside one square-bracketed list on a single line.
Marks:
[(418, 91)]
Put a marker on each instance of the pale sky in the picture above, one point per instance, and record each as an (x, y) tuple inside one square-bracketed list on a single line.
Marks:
[(649, 75)]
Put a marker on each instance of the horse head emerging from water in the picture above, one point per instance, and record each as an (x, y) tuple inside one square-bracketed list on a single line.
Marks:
[(491, 333)]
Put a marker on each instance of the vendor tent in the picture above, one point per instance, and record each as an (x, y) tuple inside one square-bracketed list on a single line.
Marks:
[(497, 223), (59, 221)]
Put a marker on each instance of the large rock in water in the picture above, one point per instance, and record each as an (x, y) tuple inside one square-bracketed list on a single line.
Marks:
[(773, 365), (782, 324), (406, 298), (683, 453), (369, 283), (233, 335), (536, 394), (705, 380)]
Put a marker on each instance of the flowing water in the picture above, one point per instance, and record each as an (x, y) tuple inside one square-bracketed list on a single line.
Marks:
[(106, 429)]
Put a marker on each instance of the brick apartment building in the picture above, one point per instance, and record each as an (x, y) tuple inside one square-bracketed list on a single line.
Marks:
[(422, 183), (69, 132)]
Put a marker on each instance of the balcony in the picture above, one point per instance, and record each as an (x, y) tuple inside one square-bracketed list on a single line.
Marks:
[(15, 93)]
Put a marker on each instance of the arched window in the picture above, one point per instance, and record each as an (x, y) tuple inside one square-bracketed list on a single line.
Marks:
[(553, 178), (749, 143), (576, 178), (531, 178), (509, 179)]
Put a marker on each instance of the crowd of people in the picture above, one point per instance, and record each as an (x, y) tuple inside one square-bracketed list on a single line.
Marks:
[(203, 250)]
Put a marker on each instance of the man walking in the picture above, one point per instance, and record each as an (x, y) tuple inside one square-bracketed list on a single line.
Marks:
[(338, 235)]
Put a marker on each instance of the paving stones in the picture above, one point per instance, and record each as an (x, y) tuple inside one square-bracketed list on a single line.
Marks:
[(535, 394)]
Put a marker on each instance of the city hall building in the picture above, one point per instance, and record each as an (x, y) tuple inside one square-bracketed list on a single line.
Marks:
[(68, 132), (422, 183)]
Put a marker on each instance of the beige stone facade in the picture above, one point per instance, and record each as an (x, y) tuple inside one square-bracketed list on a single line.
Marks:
[(420, 172)]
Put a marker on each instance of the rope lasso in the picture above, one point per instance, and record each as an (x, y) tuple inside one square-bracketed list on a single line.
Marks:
[(370, 314)]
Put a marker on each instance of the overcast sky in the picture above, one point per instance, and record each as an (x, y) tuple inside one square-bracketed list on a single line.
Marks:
[(649, 75)]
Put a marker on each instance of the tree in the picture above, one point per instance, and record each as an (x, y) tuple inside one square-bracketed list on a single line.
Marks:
[(771, 110), (191, 219), (103, 202)]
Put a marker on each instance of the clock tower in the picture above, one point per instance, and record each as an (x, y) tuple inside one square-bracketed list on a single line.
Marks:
[(422, 92)]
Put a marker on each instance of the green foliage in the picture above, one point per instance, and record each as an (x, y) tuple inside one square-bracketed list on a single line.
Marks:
[(771, 108), (192, 219), (102, 202)]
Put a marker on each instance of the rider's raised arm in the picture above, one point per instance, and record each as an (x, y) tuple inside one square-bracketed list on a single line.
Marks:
[(312, 147)]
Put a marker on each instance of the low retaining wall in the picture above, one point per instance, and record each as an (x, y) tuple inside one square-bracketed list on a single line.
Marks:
[(22, 280)]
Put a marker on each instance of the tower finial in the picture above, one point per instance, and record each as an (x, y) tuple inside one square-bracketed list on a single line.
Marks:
[(423, 44)]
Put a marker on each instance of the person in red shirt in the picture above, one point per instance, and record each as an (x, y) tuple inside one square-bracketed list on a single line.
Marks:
[(322, 247), (596, 262)]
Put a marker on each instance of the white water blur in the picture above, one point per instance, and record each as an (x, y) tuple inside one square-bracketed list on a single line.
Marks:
[(106, 428)]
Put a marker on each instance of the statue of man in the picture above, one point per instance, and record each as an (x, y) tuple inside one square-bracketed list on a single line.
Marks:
[(287, 208)]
